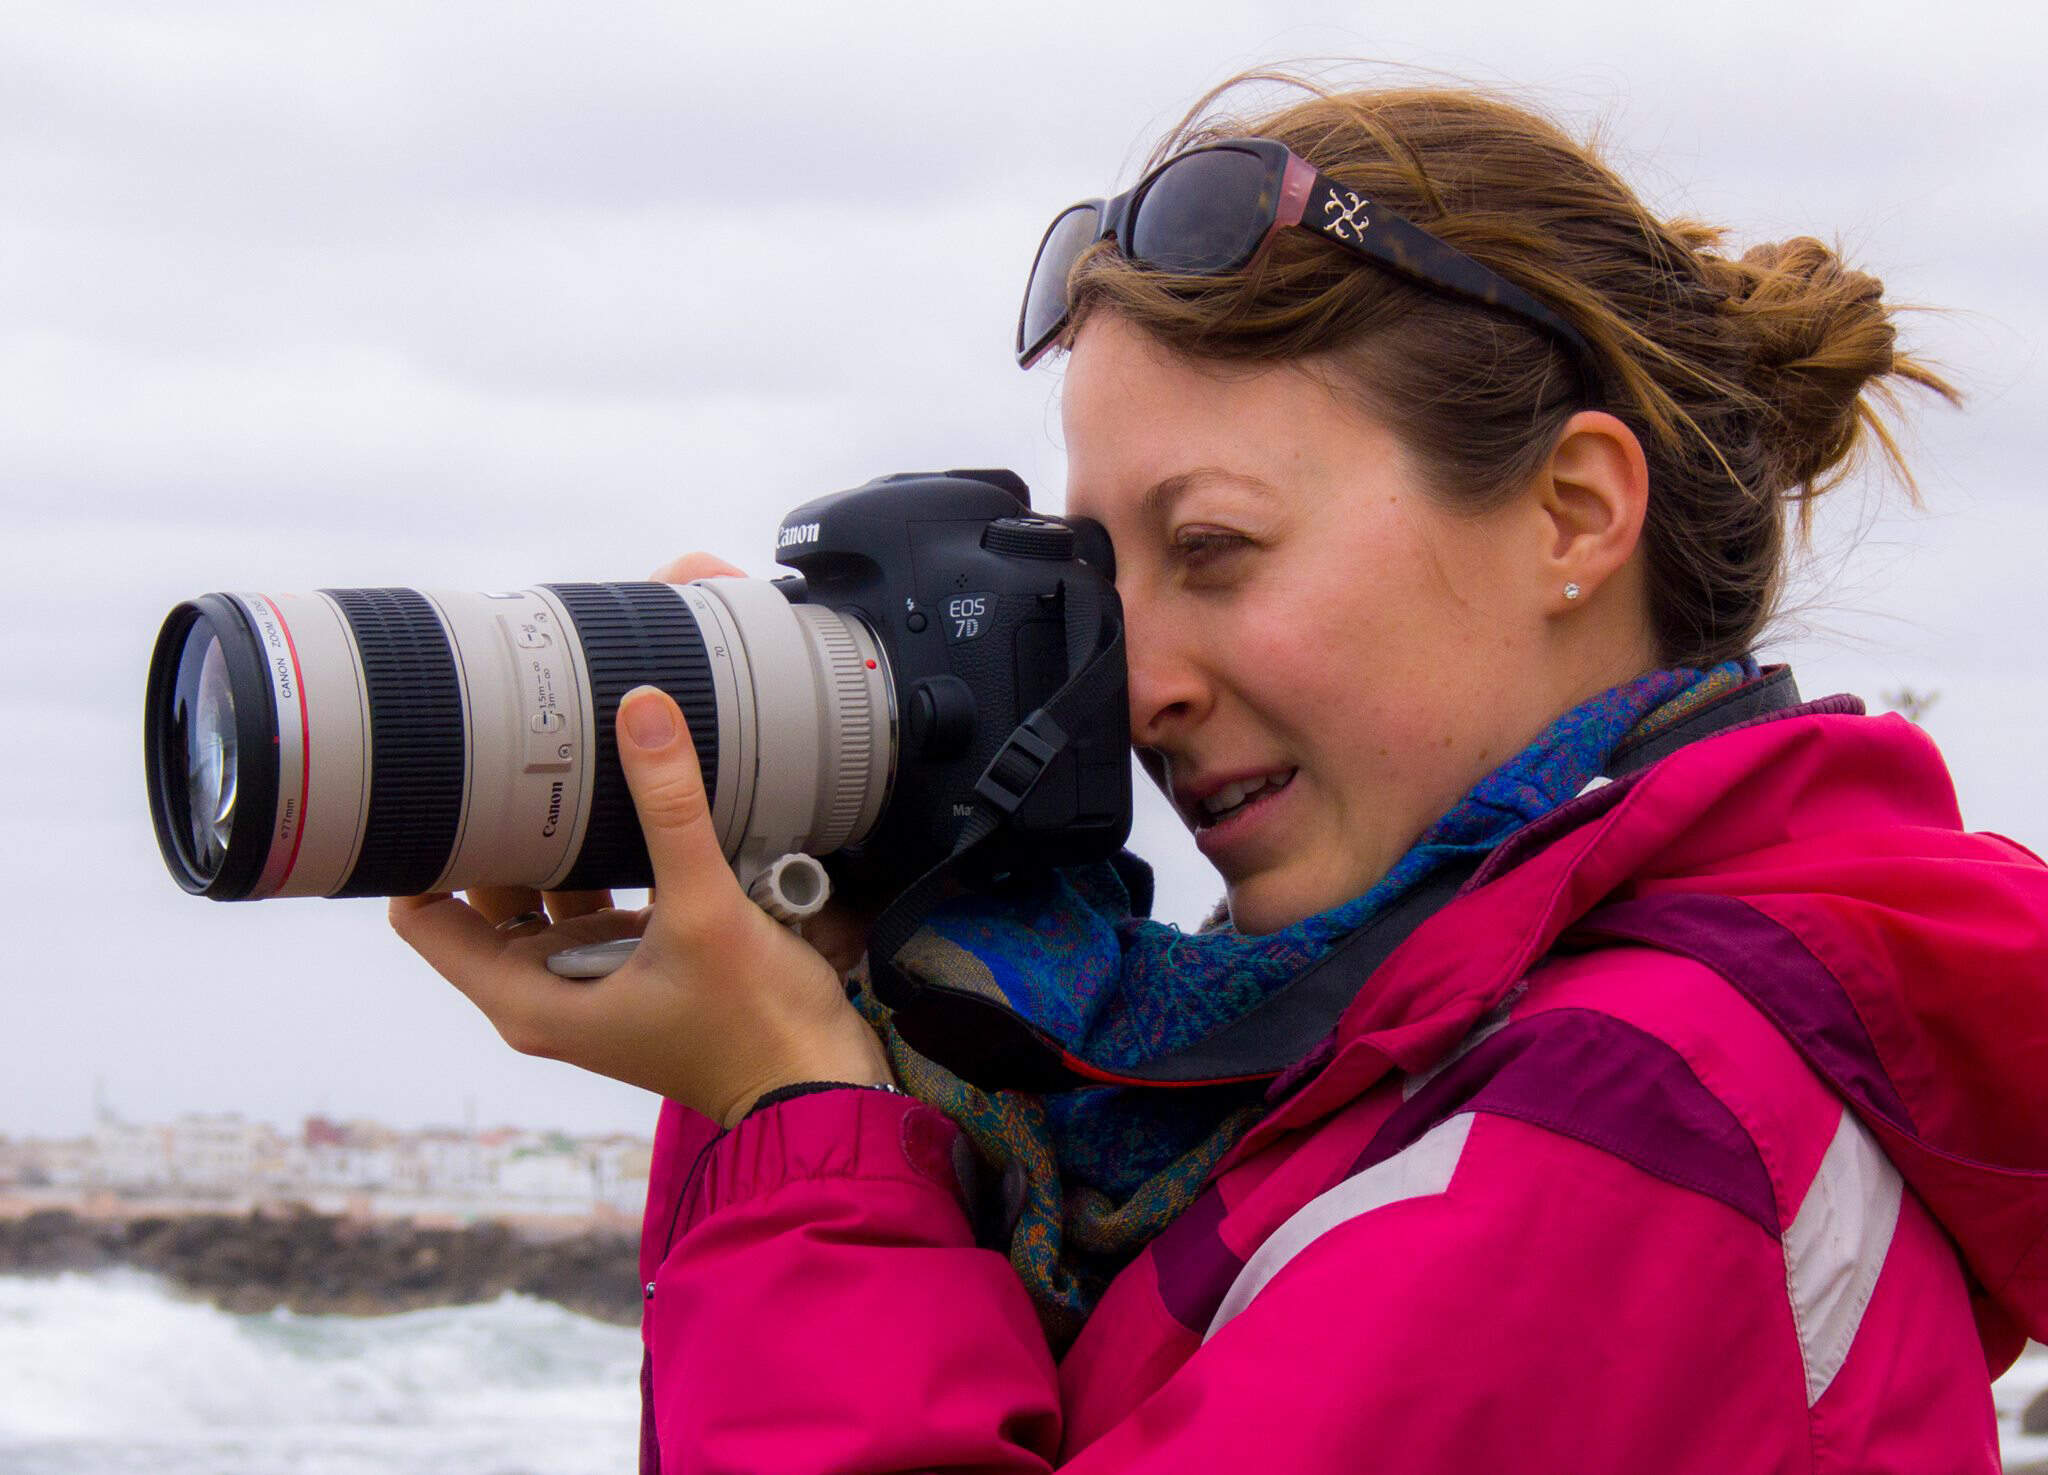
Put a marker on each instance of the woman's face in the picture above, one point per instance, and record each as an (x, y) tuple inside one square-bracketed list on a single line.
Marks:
[(1303, 617)]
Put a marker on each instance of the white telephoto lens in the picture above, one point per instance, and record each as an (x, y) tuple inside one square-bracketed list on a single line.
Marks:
[(385, 742)]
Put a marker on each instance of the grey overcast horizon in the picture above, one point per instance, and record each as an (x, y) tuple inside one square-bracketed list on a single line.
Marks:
[(474, 296)]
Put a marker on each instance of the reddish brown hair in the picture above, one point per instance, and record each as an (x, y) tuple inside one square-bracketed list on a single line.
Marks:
[(1753, 382)]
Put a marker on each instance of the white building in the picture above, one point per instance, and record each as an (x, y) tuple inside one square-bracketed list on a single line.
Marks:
[(548, 1180), (206, 1158), (620, 1166), (443, 1161), (127, 1155), (215, 1151)]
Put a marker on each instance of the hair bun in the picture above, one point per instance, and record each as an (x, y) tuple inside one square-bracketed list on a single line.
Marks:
[(1819, 333)]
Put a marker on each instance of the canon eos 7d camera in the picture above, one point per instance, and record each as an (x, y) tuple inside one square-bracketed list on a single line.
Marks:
[(943, 668)]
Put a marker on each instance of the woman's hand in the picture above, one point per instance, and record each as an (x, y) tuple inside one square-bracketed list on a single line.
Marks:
[(718, 1005)]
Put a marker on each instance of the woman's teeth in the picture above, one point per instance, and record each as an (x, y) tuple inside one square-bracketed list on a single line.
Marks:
[(1233, 796)]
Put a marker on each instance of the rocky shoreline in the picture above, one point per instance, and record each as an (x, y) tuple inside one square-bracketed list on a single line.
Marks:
[(327, 1264)]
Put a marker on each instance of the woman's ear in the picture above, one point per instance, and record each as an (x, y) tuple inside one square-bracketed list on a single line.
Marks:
[(1594, 492)]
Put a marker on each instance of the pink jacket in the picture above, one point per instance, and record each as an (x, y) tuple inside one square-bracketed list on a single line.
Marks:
[(1706, 1130)]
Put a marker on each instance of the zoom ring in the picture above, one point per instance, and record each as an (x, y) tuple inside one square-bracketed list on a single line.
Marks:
[(634, 635), (416, 741)]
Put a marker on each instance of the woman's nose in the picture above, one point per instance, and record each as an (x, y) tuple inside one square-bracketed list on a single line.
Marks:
[(1167, 688)]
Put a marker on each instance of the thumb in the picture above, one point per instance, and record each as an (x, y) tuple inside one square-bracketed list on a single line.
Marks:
[(660, 764)]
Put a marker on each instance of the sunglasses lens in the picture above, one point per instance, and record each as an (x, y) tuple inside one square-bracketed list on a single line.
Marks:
[(1045, 297), (1206, 212)]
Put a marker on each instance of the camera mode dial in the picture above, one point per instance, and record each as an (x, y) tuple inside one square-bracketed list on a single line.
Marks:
[(1029, 537)]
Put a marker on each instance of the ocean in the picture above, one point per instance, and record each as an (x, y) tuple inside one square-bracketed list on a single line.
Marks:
[(2027, 1381), (112, 1374)]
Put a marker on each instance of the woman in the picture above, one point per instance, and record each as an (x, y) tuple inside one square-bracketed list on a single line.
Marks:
[(1695, 1116)]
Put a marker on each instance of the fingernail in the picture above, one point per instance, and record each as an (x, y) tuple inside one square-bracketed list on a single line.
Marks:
[(648, 719)]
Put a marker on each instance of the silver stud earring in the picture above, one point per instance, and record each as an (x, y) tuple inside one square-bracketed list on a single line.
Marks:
[(1571, 591)]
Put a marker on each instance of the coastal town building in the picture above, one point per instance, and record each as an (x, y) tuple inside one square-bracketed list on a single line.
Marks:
[(216, 1162)]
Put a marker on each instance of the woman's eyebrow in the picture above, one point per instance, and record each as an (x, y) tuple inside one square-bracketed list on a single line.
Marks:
[(1159, 499)]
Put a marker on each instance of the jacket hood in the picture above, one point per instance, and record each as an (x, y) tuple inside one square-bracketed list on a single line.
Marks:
[(1817, 859)]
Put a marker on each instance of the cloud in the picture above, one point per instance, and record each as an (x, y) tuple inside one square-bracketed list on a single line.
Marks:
[(469, 296)]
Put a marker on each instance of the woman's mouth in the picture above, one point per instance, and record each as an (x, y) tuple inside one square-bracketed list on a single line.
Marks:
[(1234, 798)]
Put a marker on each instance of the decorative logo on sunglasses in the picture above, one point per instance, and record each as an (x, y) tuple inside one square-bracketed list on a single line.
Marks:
[(1350, 216)]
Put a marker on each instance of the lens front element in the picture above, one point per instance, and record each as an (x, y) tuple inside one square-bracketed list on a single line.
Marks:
[(204, 719), (210, 749)]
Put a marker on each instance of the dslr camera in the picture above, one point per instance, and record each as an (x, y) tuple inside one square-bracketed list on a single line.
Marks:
[(940, 680)]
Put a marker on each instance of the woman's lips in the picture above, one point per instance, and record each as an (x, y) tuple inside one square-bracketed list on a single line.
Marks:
[(1217, 836), (1220, 801), (1235, 793)]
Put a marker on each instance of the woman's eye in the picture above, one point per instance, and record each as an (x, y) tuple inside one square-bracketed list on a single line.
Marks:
[(1205, 548)]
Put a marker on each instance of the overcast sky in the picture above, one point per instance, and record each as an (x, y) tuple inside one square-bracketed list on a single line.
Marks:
[(468, 296)]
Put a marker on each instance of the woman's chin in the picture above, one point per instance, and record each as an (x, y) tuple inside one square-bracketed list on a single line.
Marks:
[(1263, 905)]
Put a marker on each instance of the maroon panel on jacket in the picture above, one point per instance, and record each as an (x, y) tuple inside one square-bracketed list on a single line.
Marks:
[(1773, 969), (1582, 1074), (1608, 1084), (1195, 1266)]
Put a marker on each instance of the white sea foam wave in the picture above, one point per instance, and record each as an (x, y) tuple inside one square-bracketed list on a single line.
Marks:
[(2023, 1383), (112, 1372)]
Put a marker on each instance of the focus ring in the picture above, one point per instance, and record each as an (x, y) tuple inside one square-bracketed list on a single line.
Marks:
[(851, 722), (416, 741), (634, 635)]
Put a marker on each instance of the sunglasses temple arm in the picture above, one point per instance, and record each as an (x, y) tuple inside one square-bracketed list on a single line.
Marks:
[(1373, 231)]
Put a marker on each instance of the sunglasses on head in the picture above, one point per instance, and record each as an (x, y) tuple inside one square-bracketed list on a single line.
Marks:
[(1212, 209)]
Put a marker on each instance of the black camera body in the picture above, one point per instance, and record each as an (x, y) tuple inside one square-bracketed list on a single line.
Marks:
[(985, 614)]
